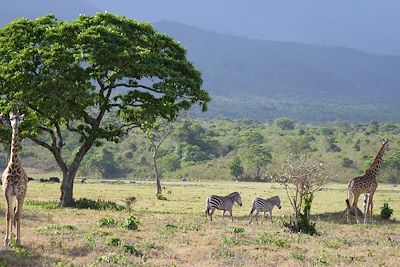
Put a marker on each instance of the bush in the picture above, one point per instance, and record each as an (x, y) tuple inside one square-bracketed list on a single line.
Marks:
[(386, 211), (107, 222), (129, 201), (237, 230), (84, 203), (114, 241), (131, 223), (305, 225), (161, 197), (130, 249), (347, 162)]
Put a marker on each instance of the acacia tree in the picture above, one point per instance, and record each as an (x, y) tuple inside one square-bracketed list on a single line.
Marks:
[(67, 76), (301, 178)]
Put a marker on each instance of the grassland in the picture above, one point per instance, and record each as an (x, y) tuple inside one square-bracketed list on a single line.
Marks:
[(174, 232)]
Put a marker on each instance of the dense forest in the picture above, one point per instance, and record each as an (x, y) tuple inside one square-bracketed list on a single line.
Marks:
[(212, 149)]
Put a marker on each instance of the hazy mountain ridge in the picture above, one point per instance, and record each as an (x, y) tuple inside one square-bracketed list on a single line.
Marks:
[(262, 80)]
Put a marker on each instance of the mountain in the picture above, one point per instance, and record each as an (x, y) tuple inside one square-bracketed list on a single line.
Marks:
[(368, 25), (306, 82)]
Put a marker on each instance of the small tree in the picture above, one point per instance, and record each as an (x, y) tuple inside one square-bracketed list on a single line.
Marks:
[(156, 139), (285, 123), (258, 157), (301, 178), (236, 168)]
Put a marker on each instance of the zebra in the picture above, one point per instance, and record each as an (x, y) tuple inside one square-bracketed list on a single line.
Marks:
[(264, 205), (225, 203)]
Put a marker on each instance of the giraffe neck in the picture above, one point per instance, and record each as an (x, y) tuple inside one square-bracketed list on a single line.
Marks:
[(376, 164), (14, 155)]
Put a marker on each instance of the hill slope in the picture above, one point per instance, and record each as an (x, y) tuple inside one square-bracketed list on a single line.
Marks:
[(281, 77)]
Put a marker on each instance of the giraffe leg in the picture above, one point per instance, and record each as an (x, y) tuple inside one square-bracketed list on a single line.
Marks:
[(371, 205), (366, 208), (9, 211), (17, 218), (355, 207)]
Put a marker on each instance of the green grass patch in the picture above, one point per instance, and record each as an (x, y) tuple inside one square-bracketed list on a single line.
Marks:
[(273, 239)]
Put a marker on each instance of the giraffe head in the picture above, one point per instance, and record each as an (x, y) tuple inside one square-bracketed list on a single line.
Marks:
[(15, 119), (385, 145)]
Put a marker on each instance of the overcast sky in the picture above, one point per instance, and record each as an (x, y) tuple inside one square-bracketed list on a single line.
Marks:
[(370, 25)]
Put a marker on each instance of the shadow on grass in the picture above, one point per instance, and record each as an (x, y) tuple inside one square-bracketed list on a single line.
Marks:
[(22, 256), (340, 217)]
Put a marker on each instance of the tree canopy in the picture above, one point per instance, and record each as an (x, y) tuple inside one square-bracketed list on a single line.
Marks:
[(96, 77)]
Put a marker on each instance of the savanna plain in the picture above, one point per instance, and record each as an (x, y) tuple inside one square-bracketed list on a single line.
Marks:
[(174, 231)]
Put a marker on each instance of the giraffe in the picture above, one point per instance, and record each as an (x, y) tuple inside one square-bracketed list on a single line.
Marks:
[(14, 180), (365, 184)]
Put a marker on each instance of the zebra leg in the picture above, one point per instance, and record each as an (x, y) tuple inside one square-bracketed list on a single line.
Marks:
[(270, 216), (223, 214), (211, 213), (256, 216), (263, 217), (231, 215), (250, 217)]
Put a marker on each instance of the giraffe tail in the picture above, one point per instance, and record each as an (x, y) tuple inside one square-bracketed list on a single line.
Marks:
[(14, 222), (350, 198)]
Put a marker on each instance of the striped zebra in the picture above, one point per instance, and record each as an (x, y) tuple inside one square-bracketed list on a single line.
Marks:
[(264, 205), (222, 203)]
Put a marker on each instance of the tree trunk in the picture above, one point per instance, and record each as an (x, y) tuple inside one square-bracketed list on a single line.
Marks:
[(157, 173), (67, 186)]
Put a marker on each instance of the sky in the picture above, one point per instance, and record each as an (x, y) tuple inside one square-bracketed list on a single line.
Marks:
[(369, 25)]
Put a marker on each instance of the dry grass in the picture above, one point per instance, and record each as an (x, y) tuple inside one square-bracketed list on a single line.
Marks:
[(175, 232)]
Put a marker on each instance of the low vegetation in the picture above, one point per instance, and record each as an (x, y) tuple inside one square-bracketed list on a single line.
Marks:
[(170, 231)]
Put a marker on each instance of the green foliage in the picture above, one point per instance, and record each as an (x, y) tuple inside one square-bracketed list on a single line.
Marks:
[(52, 204), (252, 138), (161, 197), (304, 223), (129, 201), (236, 168), (258, 157), (107, 222), (66, 77), (131, 223), (273, 239), (284, 123), (114, 241), (112, 259), (100, 164), (130, 249), (171, 162), (386, 211), (347, 162), (84, 203), (237, 230), (298, 255), (298, 144)]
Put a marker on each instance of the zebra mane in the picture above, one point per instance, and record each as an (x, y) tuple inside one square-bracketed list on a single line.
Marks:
[(233, 194), (274, 198)]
